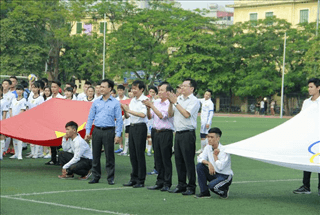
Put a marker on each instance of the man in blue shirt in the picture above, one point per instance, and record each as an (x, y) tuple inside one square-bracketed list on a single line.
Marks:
[(103, 112)]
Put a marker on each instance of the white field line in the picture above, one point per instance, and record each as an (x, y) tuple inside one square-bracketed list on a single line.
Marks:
[(268, 181), (65, 206)]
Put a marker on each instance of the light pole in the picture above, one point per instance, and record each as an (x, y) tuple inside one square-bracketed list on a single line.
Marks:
[(317, 28), (104, 46), (283, 68)]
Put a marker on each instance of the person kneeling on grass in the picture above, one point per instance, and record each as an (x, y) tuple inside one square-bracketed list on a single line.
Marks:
[(76, 157), (214, 165)]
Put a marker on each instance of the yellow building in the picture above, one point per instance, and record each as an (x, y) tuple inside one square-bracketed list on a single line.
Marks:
[(294, 11)]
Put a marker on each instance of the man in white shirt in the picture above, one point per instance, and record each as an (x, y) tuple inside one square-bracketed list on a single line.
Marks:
[(314, 92), (207, 108), (137, 112), (214, 165), (185, 111), (55, 86), (83, 95), (262, 107), (80, 161), (121, 96)]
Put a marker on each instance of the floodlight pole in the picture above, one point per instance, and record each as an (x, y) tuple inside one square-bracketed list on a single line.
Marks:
[(283, 68), (104, 46)]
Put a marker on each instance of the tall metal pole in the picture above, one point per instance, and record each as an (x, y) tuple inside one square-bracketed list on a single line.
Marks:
[(104, 46), (283, 68), (317, 29)]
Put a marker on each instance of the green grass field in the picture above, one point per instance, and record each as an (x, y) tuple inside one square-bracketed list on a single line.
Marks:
[(30, 187)]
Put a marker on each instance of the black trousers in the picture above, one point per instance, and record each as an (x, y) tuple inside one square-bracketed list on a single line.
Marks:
[(306, 179), (162, 154), (82, 167), (137, 145), (105, 138), (54, 152), (184, 150)]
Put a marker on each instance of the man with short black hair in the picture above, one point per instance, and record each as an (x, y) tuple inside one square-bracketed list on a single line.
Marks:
[(55, 86), (185, 111), (76, 157), (14, 82), (103, 112), (214, 165), (314, 92), (137, 112)]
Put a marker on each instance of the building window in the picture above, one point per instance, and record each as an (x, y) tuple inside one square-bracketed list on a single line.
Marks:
[(269, 14), (87, 28), (254, 18), (79, 27), (102, 27), (304, 15)]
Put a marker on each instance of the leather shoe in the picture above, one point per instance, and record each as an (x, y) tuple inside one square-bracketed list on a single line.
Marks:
[(165, 188), (93, 181), (188, 192), (155, 187), (129, 184), (177, 190), (138, 185), (111, 182)]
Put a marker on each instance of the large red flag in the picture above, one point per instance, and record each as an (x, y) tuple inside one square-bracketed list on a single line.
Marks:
[(45, 124)]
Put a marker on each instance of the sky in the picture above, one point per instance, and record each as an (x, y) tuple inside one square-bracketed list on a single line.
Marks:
[(194, 4)]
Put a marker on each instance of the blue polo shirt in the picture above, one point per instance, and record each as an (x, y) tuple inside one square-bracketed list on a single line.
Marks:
[(103, 113)]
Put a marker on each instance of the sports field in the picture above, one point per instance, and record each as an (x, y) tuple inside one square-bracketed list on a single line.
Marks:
[(30, 187)]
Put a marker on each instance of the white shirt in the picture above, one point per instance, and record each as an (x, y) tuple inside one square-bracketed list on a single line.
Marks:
[(59, 96), (32, 102), (191, 105), (4, 107), (137, 106), (81, 96), (222, 165), (124, 98), (261, 104), (9, 96), (308, 102), (79, 147), (206, 111), (18, 105), (30, 96)]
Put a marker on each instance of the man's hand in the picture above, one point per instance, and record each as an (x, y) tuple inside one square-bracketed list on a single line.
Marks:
[(216, 152), (172, 97), (207, 126), (117, 140), (211, 169), (147, 103), (125, 107), (87, 137)]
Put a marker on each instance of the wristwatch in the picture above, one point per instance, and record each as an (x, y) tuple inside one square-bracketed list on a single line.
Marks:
[(175, 104)]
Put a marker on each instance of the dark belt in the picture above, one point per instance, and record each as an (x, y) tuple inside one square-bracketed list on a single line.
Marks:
[(104, 128), (184, 131), (162, 130), (135, 124)]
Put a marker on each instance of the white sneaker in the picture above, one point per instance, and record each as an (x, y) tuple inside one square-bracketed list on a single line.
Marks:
[(47, 156), (40, 156), (29, 156), (13, 157), (19, 158), (35, 156)]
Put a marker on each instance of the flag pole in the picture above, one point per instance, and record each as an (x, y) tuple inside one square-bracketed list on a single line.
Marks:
[(104, 46), (283, 68)]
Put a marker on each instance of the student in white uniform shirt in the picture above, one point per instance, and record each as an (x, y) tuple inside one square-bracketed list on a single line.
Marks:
[(55, 86), (153, 92), (35, 100), (214, 165), (76, 157), (8, 96), (314, 92), (90, 95), (4, 108), (206, 117), (18, 106), (82, 95), (121, 96), (137, 112)]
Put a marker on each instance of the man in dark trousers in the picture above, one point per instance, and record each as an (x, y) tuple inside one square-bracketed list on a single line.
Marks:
[(137, 113), (185, 111), (103, 112)]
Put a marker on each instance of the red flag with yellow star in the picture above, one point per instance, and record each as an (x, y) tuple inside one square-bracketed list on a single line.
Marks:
[(45, 124)]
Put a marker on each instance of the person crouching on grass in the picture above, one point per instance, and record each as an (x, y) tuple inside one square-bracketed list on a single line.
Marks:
[(76, 157), (214, 165)]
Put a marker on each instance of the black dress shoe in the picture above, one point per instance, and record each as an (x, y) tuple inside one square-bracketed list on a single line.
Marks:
[(111, 182), (188, 192), (93, 181), (138, 185), (129, 184), (177, 190), (155, 187), (165, 188)]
